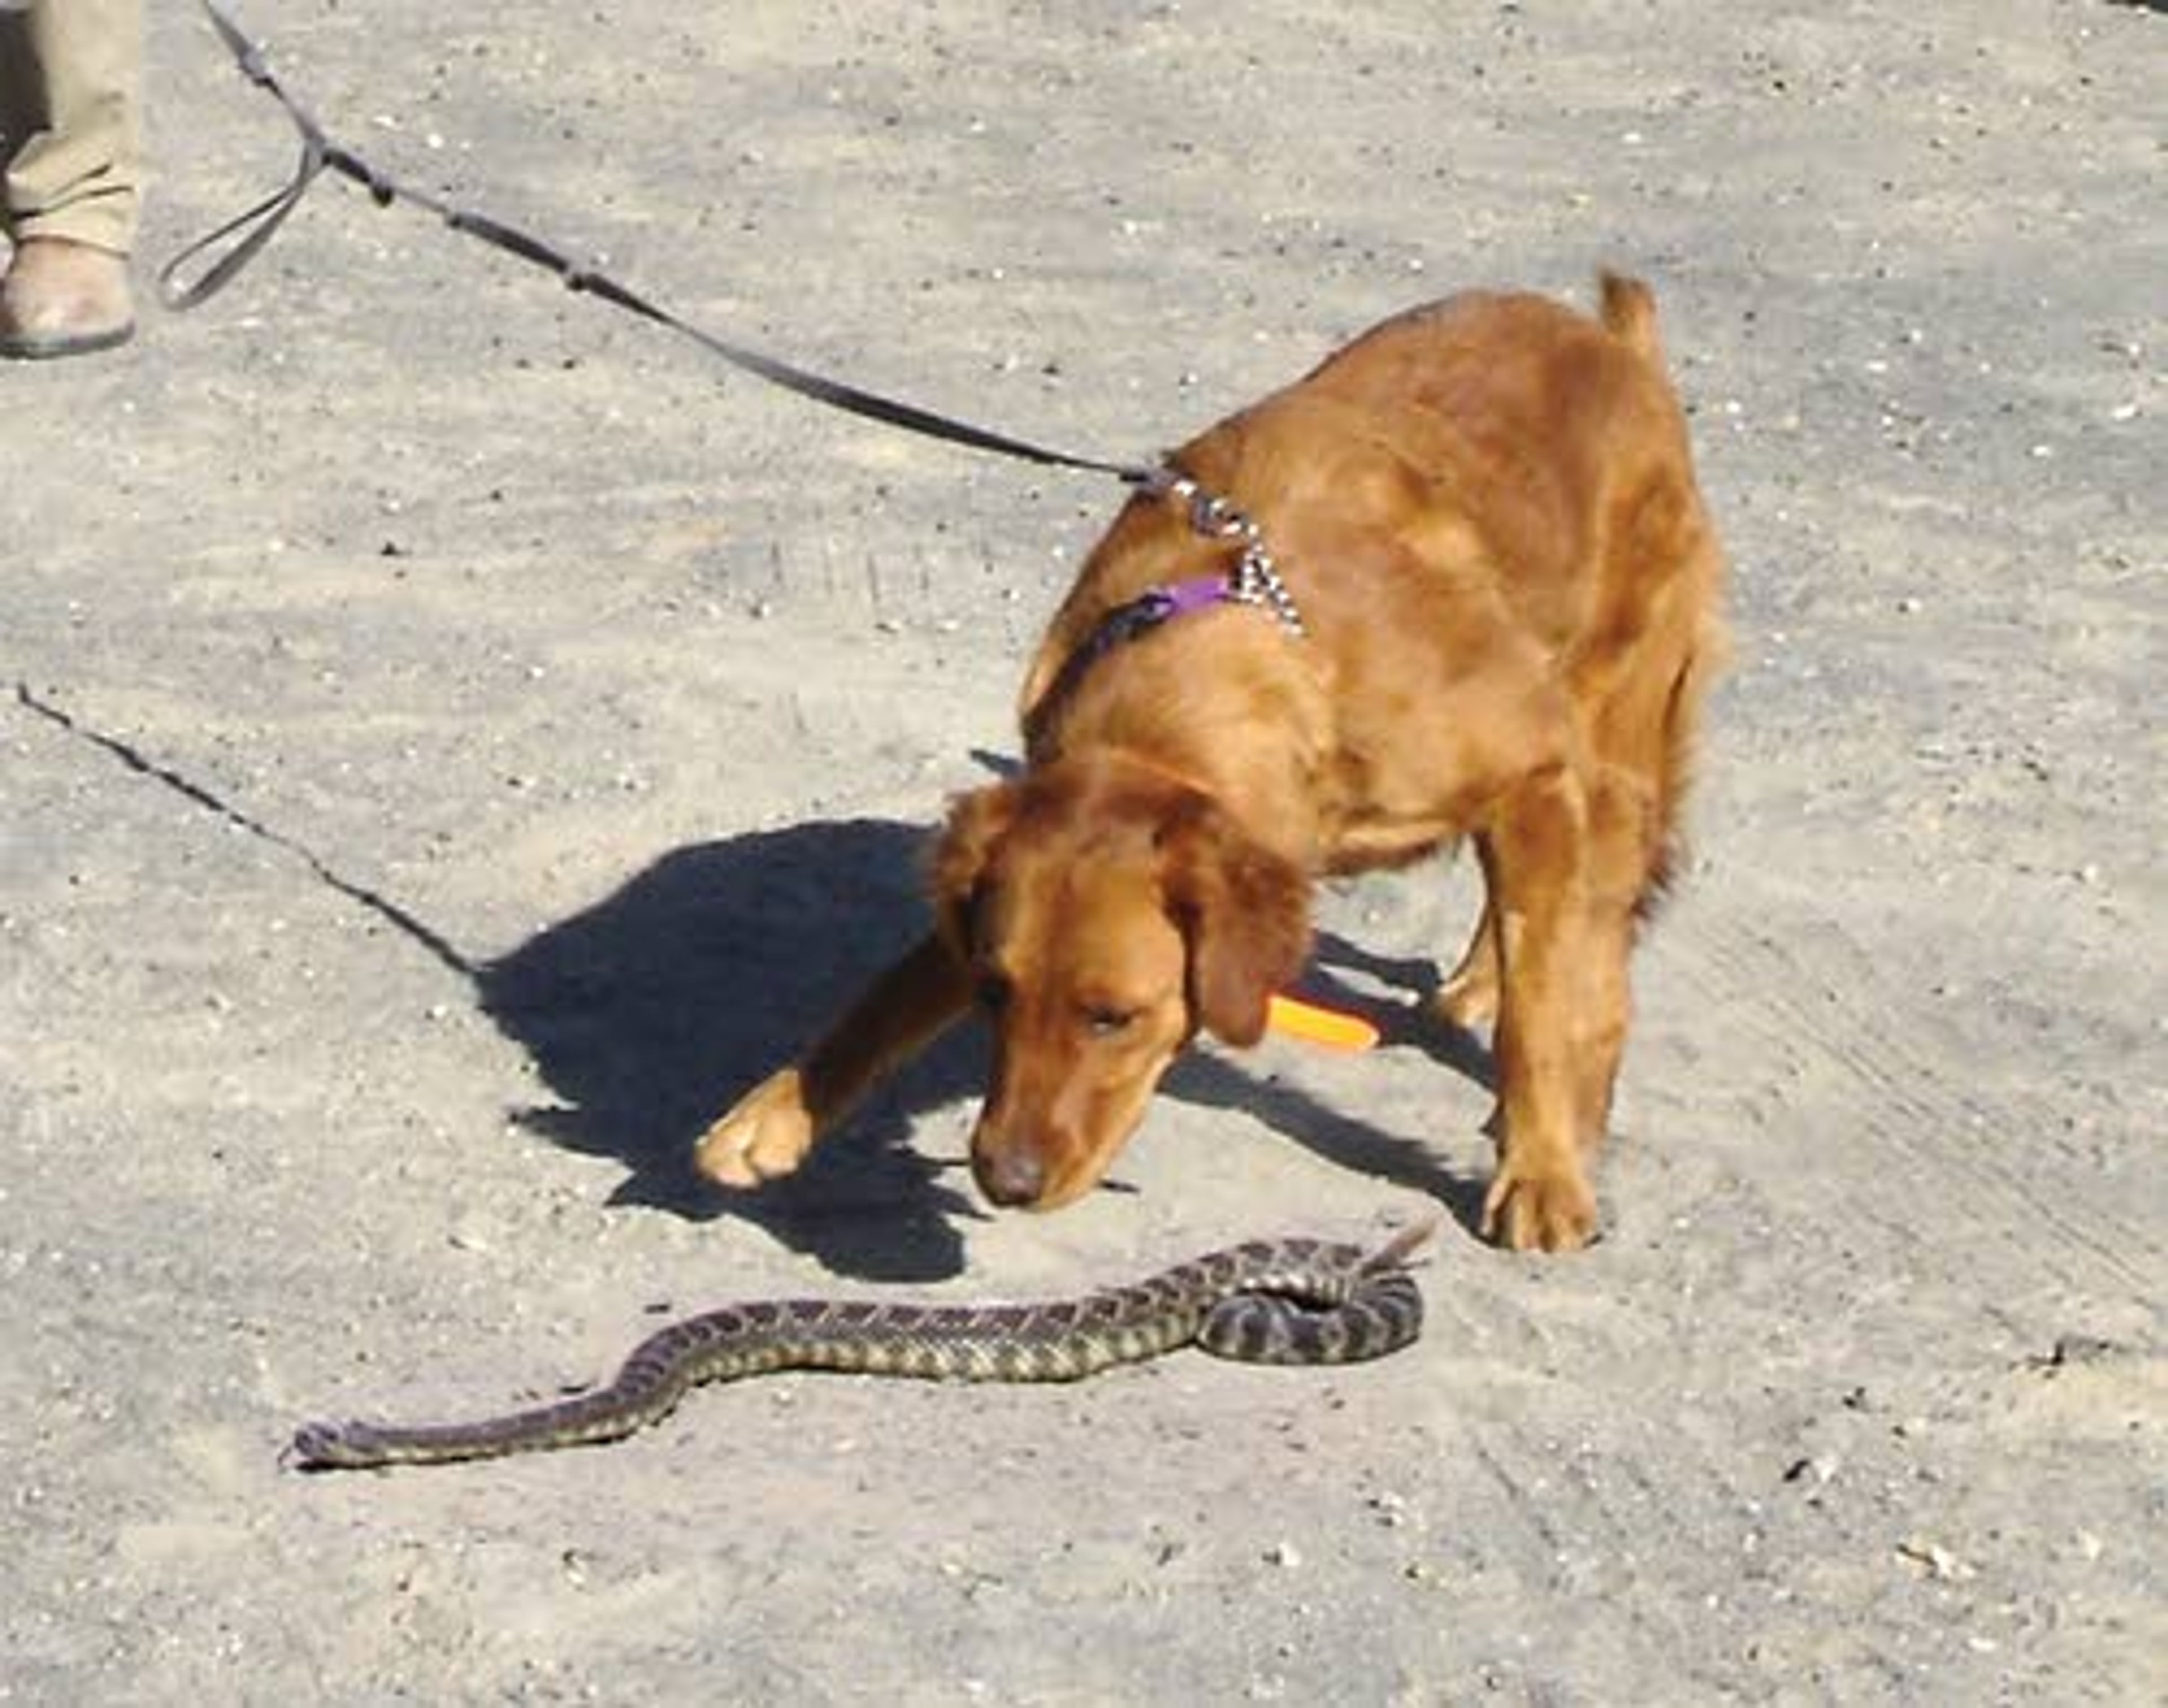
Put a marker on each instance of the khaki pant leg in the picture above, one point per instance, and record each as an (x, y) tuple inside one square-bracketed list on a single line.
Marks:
[(70, 111)]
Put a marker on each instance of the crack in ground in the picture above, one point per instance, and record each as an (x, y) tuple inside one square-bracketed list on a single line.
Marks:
[(201, 796)]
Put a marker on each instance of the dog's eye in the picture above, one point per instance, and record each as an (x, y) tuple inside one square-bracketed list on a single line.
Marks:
[(1104, 1021), (993, 992)]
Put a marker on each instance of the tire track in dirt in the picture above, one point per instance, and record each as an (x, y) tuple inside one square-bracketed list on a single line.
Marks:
[(1807, 1005), (1809, 998), (1599, 1529)]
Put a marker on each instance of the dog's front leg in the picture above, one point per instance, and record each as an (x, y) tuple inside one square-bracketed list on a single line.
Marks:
[(1535, 858), (769, 1130)]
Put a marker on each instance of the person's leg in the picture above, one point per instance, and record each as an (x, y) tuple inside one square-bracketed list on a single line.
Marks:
[(72, 113)]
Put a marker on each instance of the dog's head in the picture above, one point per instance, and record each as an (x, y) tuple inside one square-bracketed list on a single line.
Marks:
[(1109, 911)]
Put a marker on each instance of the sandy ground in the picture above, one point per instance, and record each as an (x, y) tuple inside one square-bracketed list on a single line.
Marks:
[(456, 738)]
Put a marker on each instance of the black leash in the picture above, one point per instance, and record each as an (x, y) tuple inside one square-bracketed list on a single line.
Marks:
[(319, 153)]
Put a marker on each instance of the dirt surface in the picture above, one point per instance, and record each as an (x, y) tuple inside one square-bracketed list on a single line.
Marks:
[(457, 737)]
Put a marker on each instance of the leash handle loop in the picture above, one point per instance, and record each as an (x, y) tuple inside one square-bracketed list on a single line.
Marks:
[(259, 224)]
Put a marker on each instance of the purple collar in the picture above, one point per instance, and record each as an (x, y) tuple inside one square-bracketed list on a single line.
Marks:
[(1255, 580), (1147, 612), (1157, 605)]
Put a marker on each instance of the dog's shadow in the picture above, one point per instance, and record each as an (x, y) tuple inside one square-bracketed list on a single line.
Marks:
[(651, 1011)]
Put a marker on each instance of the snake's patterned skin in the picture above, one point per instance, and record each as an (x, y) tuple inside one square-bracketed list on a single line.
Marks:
[(1268, 1302)]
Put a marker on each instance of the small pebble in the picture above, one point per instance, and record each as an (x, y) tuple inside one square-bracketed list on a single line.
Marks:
[(1943, 1566)]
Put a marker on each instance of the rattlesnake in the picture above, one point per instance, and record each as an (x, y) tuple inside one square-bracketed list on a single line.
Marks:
[(1268, 1301)]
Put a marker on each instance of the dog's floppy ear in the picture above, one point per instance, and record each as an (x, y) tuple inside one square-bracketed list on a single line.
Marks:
[(1245, 911), (977, 822)]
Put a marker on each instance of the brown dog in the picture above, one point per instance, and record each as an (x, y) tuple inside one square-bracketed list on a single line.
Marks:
[(1479, 597)]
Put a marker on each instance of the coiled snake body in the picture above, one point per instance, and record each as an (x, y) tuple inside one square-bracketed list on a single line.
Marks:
[(1268, 1302)]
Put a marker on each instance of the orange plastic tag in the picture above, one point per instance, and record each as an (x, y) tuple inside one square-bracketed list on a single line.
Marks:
[(1295, 1018)]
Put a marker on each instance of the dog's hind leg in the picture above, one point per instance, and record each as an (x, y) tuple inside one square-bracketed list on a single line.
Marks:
[(1624, 850), (1469, 997)]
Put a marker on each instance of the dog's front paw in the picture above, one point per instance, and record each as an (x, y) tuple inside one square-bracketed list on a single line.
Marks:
[(766, 1134), (1548, 1209)]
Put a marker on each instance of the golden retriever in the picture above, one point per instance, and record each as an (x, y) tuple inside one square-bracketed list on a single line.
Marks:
[(1457, 582)]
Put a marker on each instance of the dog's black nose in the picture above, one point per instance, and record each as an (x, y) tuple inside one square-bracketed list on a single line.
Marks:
[(1011, 1177)]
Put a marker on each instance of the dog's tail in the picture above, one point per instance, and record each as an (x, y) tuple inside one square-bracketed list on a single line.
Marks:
[(1679, 537), (1629, 315)]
